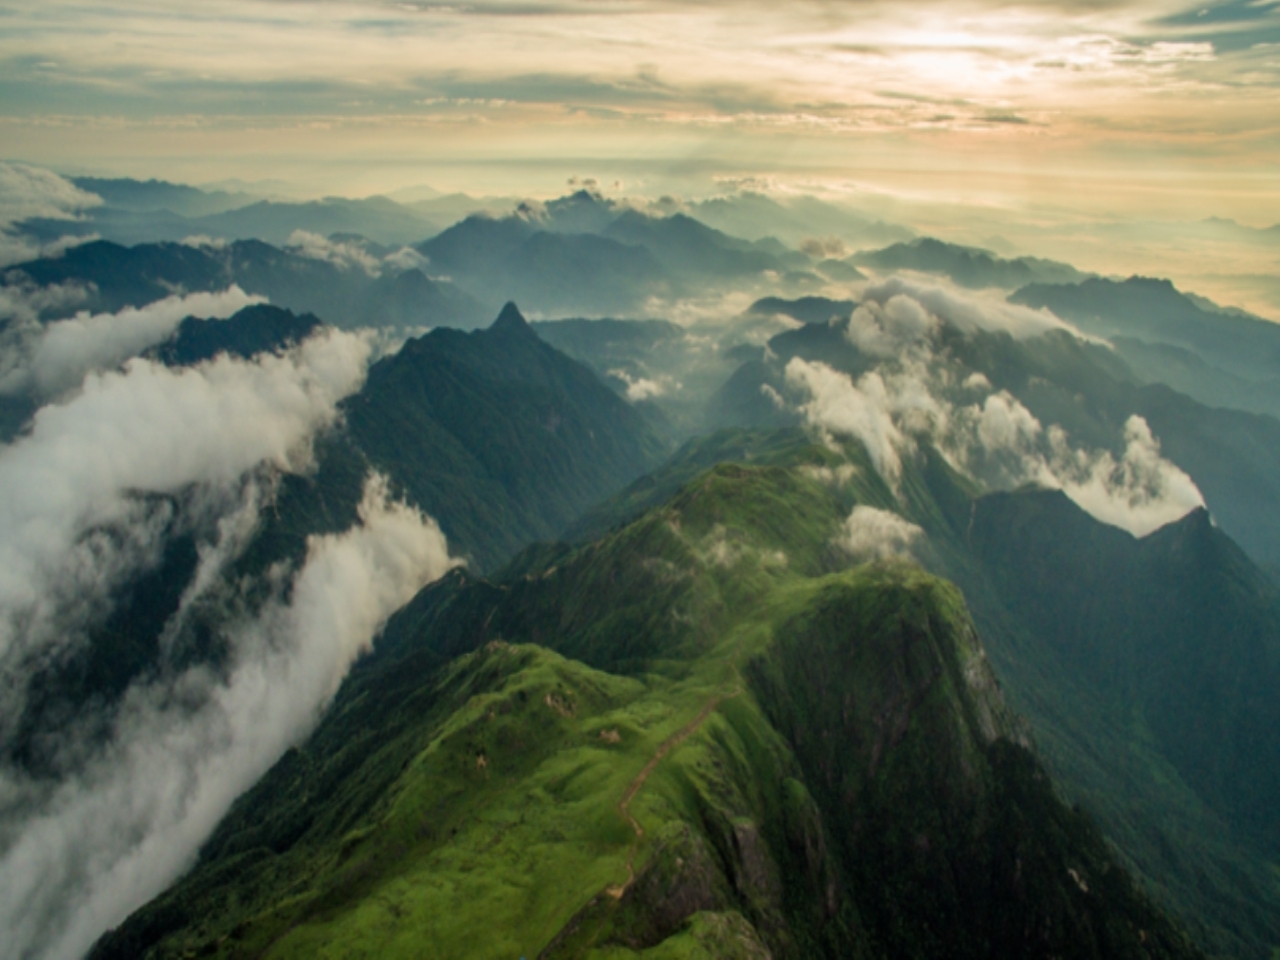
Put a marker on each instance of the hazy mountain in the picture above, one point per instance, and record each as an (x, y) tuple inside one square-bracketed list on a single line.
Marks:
[(1224, 358), (154, 196), (794, 219), (341, 290), (849, 781), (583, 254), (253, 330), (378, 218), (967, 266), (1084, 388), (153, 211), (805, 309)]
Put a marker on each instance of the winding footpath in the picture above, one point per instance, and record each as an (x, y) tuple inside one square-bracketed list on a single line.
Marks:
[(680, 736)]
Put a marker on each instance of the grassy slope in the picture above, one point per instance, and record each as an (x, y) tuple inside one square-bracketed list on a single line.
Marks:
[(793, 755), (1100, 742)]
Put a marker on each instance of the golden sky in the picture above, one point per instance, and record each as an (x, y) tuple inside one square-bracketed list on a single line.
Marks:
[(977, 111)]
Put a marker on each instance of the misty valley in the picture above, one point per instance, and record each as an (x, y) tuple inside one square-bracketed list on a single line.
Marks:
[(745, 577)]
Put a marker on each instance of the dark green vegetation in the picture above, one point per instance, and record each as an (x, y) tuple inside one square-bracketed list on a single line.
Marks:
[(756, 749), (1144, 667), (510, 439), (1221, 357)]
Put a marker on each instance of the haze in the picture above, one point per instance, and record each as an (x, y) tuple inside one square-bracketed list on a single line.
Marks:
[(1072, 129)]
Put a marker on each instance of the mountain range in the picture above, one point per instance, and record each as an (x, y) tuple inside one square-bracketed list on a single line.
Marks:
[(859, 615)]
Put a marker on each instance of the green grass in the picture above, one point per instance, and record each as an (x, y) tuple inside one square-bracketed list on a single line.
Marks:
[(783, 701)]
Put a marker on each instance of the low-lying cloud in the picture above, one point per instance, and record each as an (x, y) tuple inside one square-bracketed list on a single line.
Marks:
[(967, 310), (94, 491), (27, 192), (341, 254), (118, 833), (873, 534), (71, 511), (49, 359), (914, 395)]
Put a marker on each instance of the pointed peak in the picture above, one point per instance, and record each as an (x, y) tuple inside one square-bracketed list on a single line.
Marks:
[(510, 319)]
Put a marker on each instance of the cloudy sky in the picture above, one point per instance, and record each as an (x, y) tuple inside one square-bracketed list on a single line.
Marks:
[(1142, 107)]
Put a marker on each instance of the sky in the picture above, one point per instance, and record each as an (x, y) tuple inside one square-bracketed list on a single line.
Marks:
[(981, 112)]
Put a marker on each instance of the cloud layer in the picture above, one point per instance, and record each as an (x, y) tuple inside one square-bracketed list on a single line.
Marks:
[(104, 479), (48, 359), (131, 821), (913, 396), (27, 192)]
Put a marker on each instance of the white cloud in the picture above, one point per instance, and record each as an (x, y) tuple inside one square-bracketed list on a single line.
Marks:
[(22, 302), (890, 329), (969, 310), (407, 258), (341, 254), (644, 388), (998, 442), (837, 406), (872, 534), (27, 192), (1140, 492), (126, 826), (151, 429), (49, 359)]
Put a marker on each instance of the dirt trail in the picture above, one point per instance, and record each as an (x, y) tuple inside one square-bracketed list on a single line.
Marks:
[(680, 736)]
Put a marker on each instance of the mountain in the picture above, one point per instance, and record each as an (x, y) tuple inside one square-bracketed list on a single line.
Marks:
[(805, 309), (585, 255), (1225, 358), (154, 211), (159, 195), (378, 218), (1141, 664), (511, 258), (1084, 388), (343, 293), (511, 439), (689, 248), (702, 735), (253, 330), (666, 370), (967, 266)]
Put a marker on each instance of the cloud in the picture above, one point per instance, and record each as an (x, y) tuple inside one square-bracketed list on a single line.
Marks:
[(644, 388), (23, 302), (1140, 492), (47, 360), (132, 821), (148, 429), (837, 406), (407, 258), (888, 329), (970, 311), (872, 534), (340, 254), (103, 481), (27, 192), (998, 442)]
